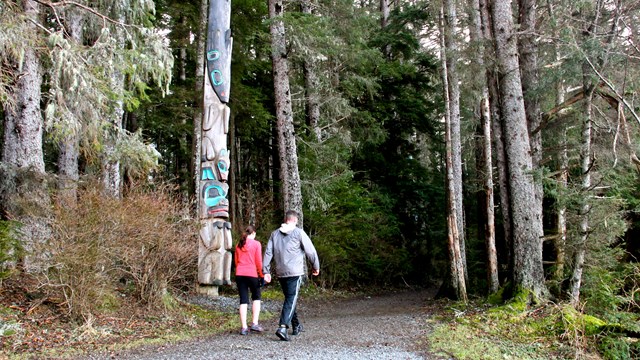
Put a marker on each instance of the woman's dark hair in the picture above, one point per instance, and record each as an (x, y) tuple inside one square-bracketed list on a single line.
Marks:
[(249, 230)]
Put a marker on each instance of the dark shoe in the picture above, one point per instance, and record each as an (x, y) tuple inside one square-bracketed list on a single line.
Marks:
[(244, 331), (256, 328), (297, 329), (282, 333)]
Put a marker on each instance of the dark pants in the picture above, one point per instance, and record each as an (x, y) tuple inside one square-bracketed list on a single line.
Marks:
[(246, 283), (291, 289)]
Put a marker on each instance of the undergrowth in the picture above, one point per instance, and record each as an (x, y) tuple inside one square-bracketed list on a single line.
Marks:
[(513, 331)]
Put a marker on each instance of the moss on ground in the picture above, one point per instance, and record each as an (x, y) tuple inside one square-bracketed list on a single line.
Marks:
[(510, 331)]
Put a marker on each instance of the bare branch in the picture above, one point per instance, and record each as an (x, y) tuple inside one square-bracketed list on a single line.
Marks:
[(612, 88)]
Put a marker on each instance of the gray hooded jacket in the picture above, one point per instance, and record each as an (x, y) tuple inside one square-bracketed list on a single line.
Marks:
[(288, 246)]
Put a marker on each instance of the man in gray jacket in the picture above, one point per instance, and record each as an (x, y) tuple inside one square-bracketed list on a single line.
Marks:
[(288, 246)]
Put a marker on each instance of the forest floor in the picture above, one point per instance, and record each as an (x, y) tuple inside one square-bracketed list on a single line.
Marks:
[(394, 324)]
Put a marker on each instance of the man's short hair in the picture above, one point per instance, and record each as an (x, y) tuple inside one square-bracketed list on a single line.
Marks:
[(290, 214)]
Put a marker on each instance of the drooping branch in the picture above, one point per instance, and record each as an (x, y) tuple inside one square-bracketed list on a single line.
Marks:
[(104, 18)]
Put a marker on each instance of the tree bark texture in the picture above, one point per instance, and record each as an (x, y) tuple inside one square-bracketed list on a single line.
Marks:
[(528, 56), (384, 13), (489, 230), (311, 86), (215, 241), (527, 223), (287, 148), (496, 129), (69, 146), (23, 123), (453, 88), (456, 265), (24, 192), (485, 163), (585, 207), (200, 40), (563, 175), (111, 177)]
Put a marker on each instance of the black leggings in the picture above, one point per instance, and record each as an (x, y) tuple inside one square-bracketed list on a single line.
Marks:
[(246, 283)]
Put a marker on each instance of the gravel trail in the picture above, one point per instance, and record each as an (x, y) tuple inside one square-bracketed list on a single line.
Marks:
[(391, 326)]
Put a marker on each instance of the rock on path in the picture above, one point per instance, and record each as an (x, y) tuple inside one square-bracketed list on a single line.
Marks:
[(391, 326)]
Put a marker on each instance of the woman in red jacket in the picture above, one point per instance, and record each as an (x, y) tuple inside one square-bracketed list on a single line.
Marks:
[(248, 261)]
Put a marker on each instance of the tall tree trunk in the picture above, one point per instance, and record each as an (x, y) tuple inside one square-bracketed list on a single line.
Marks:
[(111, 177), (22, 170), (69, 146), (585, 207), (528, 56), (496, 131), (489, 230), (456, 265), (184, 164), (485, 166), (200, 40), (563, 174), (384, 13), (450, 27), (311, 85), (23, 123), (527, 223), (234, 169), (585, 162), (384, 22), (287, 149)]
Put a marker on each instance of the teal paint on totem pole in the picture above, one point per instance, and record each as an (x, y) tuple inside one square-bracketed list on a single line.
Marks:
[(219, 43), (207, 174)]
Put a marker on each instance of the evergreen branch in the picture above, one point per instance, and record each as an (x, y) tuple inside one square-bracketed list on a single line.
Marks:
[(104, 18)]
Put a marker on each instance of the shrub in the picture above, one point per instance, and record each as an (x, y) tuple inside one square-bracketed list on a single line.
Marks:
[(143, 244)]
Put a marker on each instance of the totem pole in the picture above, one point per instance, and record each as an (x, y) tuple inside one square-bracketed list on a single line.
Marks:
[(214, 259)]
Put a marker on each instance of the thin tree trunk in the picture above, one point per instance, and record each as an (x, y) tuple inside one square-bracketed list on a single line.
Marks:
[(291, 186), (450, 26), (23, 123), (561, 239), (111, 176), (496, 130), (456, 266), (527, 223), (311, 86), (489, 230), (184, 164), (485, 163), (200, 40), (384, 22), (563, 175), (233, 169), (585, 160)]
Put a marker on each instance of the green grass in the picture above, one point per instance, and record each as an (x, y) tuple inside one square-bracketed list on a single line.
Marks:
[(505, 332)]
